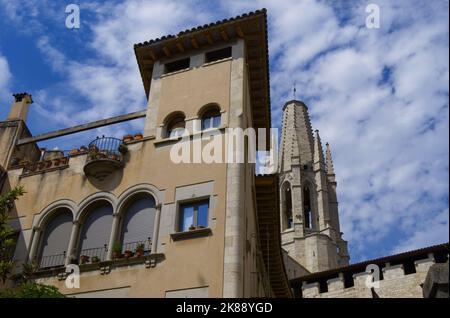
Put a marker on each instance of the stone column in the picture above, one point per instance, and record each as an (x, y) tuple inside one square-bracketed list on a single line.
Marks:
[(113, 236), (35, 242), (156, 229), (71, 250)]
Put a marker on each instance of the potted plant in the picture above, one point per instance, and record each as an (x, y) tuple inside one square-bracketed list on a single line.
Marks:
[(84, 259), (139, 250), (123, 149), (117, 250), (192, 227), (83, 149), (128, 254), (127, 138), (95, 259), (138, 136), (41, 165), (113, 156), (93, 148), (74, 151)]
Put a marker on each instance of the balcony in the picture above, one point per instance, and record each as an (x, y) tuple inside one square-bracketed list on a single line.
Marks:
[(105, 155)]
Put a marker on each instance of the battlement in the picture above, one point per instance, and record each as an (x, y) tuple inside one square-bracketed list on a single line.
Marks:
[(400, 275)]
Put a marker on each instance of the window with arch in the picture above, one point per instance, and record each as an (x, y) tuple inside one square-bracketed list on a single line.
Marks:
[(211, 118), (307, 208), (55, 239), (138, 221), (95, 231), (175, 126), (287, 216)]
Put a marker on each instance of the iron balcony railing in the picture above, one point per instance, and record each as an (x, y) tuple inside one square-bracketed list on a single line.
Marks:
[(88, 255), (132, 246), (105, 148), (51, 261)]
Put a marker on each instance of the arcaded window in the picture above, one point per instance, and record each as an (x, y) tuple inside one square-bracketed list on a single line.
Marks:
[(287, 219), (176, 126), (55, 240), (307, 209), (193, 215), (96, 231), (211, 118), (138, 224)]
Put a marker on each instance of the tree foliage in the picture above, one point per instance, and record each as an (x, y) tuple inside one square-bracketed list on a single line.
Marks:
[(25, 287)]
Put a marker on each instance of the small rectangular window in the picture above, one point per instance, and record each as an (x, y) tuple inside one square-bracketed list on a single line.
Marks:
[(218, 55), (193, 215), (177, 65)]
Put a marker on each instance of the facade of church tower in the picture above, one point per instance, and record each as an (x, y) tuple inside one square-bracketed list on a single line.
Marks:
[(309, 214)]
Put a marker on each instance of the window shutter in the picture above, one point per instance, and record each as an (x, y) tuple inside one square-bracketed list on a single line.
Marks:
[(57, 234), (138, 221), (97, 228)]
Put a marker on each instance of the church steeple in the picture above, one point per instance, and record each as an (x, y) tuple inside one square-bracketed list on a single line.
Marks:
[(308, 205)]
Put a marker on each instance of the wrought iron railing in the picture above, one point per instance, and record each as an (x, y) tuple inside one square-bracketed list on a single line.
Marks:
[(132, 246), (88, 255), (105, 148), (50, 261)]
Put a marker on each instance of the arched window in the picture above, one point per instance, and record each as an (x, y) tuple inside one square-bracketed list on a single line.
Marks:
[(307, 209), (287, 219), (55, 240), (138, 223), (175, 126), (96, 231), (211, 118)]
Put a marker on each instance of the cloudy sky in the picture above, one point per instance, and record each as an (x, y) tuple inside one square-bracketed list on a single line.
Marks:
[(379, 96)]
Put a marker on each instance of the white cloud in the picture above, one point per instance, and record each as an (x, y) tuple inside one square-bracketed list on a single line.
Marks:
[(5, 79)]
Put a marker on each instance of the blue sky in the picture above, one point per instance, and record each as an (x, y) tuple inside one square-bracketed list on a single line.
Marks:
[(379, 96)]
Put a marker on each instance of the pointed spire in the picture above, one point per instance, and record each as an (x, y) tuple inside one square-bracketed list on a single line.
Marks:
[(318, 150), (330, 168)]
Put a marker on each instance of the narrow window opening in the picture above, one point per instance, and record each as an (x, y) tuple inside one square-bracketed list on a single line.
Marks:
[(218, 55), (177, 65), (307, 208)]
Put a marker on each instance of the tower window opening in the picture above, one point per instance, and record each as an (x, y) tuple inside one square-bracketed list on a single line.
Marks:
[(177, 65), (218, 55), (307, 211), (287, 218)]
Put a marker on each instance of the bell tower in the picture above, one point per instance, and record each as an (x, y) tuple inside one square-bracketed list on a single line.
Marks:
[(309, 214)]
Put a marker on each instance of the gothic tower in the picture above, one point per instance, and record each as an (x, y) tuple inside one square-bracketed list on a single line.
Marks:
[(308, 207)]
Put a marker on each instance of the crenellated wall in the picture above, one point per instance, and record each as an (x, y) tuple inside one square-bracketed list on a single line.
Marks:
[(394, 283)]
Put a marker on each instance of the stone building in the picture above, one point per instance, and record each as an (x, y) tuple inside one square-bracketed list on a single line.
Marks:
[(309, 213), (136, 223)]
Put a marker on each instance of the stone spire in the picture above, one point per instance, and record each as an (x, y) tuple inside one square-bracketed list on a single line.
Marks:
[(318, 151), (329, 160)]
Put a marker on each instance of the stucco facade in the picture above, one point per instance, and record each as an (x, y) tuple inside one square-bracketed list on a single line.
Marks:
[(221, 258)]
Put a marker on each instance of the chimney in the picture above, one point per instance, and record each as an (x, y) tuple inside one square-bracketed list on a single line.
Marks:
[(19, 109)]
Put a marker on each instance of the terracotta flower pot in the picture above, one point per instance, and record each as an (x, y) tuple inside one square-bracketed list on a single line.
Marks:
[(127, 138), (139, 253), (138, 136), (116, 255), (128, 254), (74, 151), (84, 259)]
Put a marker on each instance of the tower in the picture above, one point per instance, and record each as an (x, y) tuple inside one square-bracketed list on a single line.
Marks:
[(309, 214)]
